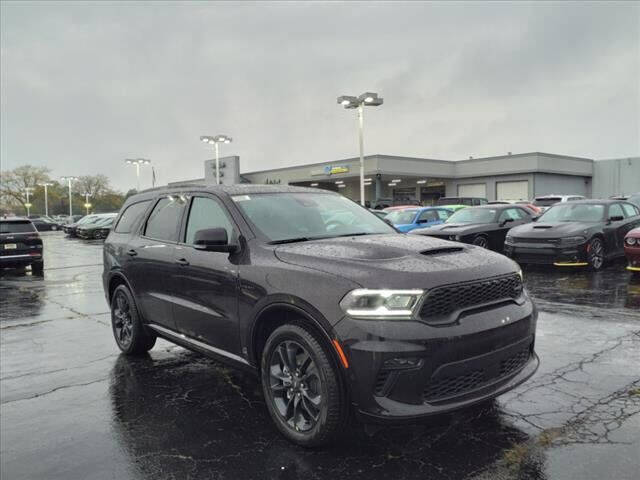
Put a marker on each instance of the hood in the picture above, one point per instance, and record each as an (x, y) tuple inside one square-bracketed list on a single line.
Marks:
[(551, 229), (458, 228), (635, 233), (396, 260)]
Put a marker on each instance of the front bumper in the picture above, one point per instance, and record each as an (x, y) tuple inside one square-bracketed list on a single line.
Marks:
[(405, 370), (559, 255), (633, 257)]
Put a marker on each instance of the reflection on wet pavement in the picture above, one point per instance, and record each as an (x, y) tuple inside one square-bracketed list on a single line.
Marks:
[(72, 407)]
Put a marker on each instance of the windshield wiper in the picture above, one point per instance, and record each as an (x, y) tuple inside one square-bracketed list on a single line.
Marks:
[(290, 240)]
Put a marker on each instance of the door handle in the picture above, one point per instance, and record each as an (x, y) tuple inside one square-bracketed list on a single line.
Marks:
[(182, 261), (132, 252)]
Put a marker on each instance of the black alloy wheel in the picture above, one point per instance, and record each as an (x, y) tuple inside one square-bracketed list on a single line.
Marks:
[(130, 334), (122, 323), (481, 241), (296, 386), (302, 386), (595, 253)]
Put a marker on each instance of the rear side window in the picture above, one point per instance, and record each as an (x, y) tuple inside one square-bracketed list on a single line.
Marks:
[(630, 210), (164, 221), (16, 227), (130, 216)]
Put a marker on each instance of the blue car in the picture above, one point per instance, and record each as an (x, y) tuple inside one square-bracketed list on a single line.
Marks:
[(407, 219)]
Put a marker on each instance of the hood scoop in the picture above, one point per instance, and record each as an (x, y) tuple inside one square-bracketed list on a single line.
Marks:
[(542, 227), (441, 251)]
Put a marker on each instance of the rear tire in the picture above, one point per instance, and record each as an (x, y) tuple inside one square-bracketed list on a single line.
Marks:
[(596, 254), (302, 387), (131, 336), (37, 267)]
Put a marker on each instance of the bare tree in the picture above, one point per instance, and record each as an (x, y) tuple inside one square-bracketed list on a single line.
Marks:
[(14, 182), (94, 185)]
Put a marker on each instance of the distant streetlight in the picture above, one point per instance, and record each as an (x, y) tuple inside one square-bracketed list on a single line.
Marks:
[(366, 99), (27, 205), (46, 198), (69, 180), (87, 205), (215, 141), (137, 162)]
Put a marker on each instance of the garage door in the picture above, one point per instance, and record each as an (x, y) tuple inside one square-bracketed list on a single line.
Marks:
[(512, 190), (473, 190)]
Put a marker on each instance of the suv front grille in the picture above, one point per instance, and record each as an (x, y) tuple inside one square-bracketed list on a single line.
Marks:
[(442, 301), (453, 386)]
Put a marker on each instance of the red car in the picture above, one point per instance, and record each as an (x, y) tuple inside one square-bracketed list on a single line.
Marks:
[(632, 249)]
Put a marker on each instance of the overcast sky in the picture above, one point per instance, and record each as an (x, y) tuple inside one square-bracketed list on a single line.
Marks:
[(86, 85)]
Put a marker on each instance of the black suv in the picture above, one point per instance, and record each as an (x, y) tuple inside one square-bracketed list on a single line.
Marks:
[(20, 244), (332, 307)]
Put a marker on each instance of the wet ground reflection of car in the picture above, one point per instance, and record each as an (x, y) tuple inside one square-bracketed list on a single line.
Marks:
[(73, 408), (219, 417)]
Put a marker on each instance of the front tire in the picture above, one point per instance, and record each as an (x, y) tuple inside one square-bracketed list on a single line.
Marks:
[(596, 254), (130, 334), (481, 241), (302, 387)]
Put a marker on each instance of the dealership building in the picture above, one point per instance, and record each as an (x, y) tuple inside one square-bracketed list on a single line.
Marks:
[(508, 177)]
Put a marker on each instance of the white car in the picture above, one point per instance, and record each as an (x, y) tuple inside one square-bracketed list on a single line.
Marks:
[(544, 202)]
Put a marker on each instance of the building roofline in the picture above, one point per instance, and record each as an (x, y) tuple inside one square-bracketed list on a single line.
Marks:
[(555, 155)]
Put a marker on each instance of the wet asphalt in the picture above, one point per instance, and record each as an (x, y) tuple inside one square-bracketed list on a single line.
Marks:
[(73, 408)]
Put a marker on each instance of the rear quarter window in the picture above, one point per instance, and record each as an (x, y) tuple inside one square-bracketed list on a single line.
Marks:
[(130, 216), (16, 227)]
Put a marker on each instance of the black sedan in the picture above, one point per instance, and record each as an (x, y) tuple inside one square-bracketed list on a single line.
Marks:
[(45, 224), (98, 229), (485, 226), (574, 234)]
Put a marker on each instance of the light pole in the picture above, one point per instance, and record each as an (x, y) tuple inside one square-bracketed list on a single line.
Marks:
[(28, 191), (369, 99), (215, 141), (69, 180), (137, 162), (46, 198), (87, 205)]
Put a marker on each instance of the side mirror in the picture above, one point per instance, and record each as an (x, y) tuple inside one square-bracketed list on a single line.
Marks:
[(505, 221), (213, 240), (616, 218)]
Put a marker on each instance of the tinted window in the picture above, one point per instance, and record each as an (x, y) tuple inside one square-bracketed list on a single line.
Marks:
[(428, 216), (615, 210), (16, 227), (401, 217), (130, 216), (630, 210), (443, 214), (512, 213), (572, 212), (546, 201), (474, 215), (206, 213), (164, 221)]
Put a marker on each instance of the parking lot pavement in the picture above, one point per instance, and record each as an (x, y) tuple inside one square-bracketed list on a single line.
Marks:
[(73, 408)]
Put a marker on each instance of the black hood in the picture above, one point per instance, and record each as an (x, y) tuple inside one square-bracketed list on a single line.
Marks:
[(455, 229), (397, 260), (552, 229)]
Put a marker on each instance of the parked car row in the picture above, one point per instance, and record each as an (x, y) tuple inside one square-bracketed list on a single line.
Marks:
[(94, 226)]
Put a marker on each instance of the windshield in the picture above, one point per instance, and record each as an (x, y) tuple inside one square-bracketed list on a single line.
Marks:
[(568, 212), (401, 217), (546, 202), (105, 222), (87, 219), (301, 216), (473, 215)]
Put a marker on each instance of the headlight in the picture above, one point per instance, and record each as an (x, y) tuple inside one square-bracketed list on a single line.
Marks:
[(632, 241), (363, 302), (572, 240), (521, 275), (508, 240)]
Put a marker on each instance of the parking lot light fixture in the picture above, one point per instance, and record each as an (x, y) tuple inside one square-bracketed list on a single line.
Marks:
[(215, 141), (87, 205), (348, 101), (27, 205), (137, 162), (46, 197), (69, 179)]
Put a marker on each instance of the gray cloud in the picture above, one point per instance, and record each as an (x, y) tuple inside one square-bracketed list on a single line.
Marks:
[(85, 85)]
